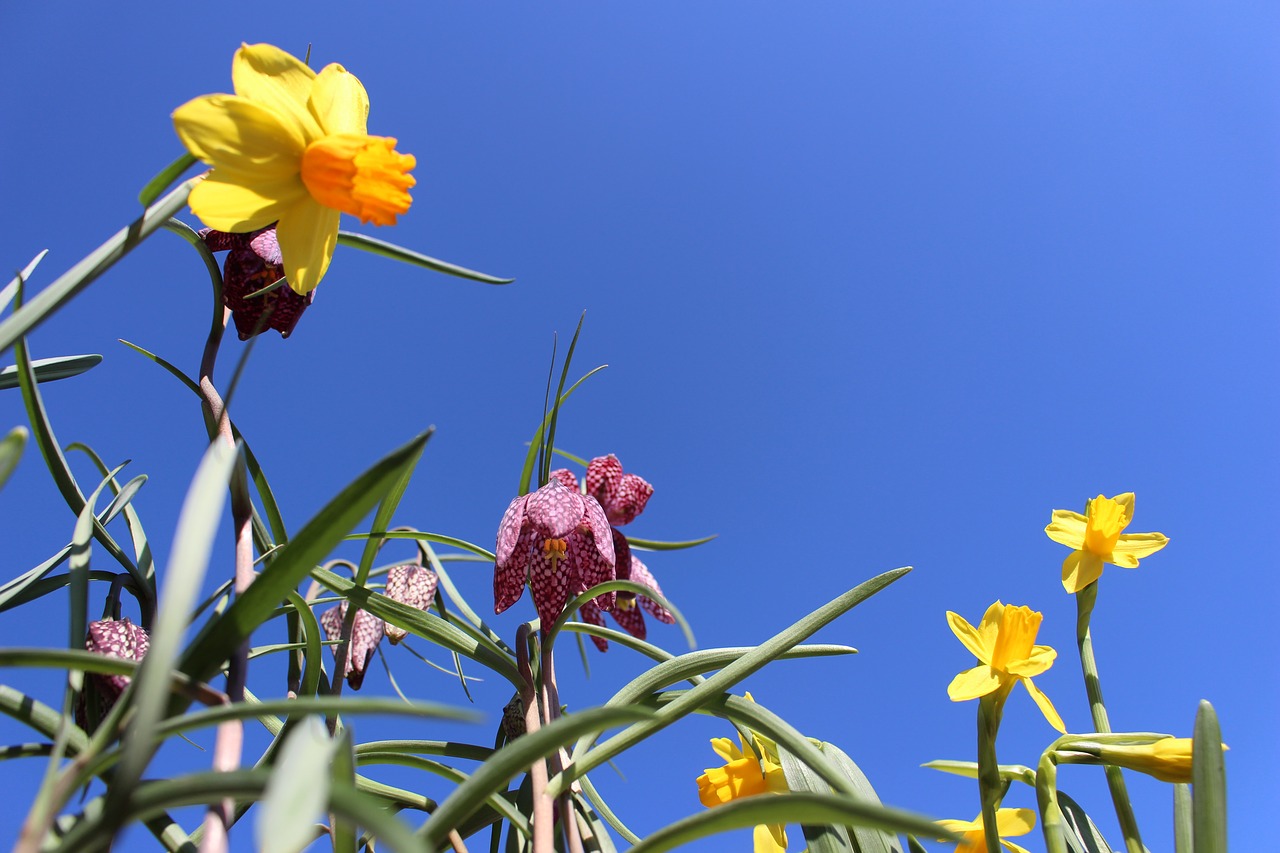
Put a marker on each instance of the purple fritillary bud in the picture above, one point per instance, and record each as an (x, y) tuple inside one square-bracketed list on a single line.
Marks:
[(413, 585), (366, 633), (117, 639), (513, 718), (565, 476), (254, 262), (555, 510)]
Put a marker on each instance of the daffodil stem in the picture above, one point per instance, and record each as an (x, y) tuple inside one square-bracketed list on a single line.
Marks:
[(990, 786), (1085, 600), (1047, 798)]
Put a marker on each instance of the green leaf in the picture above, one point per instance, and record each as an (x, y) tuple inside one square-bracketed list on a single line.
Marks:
[(11, 289), (398, 253), (293, 561), (1209, 784), (808, 808), (165, 178), (50, 369), (11, 451), (866, 840), (531, 457), (621, 586), (297, 791), (829, 838), (80, 276), (492, 776), (655, 545), (1081, 833), (343, 772)]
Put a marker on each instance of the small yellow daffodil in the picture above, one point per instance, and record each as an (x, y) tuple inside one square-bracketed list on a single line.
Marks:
[(1098, 537), (290, 147), (1004, 644), (1168, 759), (1008, 822), (744, 775)]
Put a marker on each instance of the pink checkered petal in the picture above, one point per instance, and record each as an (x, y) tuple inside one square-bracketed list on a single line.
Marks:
[(640, 574), (509, 529), (565, 476), (603, 474), (551, 584), (629, 499), (598, 525), (413, 585), (590, 613), (622, 555), (116, 638), (631, 620), (366, 633), (592, 569), (555, 510), (510, 577)]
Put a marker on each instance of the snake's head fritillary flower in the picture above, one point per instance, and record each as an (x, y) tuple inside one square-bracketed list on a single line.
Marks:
[(413, 585), (366, 633), (745, 775), (1098, 537), (557, 540), (291, 146), (626, 610), (116, 638), (1004, 644), (253, 263), (1008, 822), (623, 496)]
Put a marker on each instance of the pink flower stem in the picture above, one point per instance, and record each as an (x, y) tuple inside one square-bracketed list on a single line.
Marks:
[(543, 808), (551, 701)]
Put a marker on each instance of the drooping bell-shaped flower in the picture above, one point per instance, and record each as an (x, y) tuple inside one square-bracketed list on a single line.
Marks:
[(366, 633), (116, 638), (413, 585), (626, 610), (559, 542), (253, 263), (623, 496)]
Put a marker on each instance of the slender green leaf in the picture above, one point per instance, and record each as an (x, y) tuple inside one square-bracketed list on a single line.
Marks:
[(655, 545), (297, 790), (590, 790), (1209, 784), (80, 276), (1081, 833), (865, 839), (293, 561), (526, 473), (829, 838), (343, 772), (51, 369), (398, 253), (807, 808), (420, 536), (11, 451), (622, 586), (11, 289), (165, 179), (555, 408), (1183, 826)]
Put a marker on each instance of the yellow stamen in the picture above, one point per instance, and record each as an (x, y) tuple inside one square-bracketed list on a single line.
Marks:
[(555, 549), (361, 175)]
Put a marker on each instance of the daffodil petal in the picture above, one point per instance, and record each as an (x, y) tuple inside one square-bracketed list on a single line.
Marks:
[(1040, 659), (1015, 821), (1046, 707), (1014, 847), (726, 749), (339, 102), (968, 635), (277, 81), (1080, 569), (973, 683), (236, 133), (308, 234), (770, 838), (958, 826), (1067, 528), (1131, 547), (224, 203), (1126, 508)]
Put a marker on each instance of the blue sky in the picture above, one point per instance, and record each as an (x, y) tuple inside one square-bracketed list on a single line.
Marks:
[(877, 284)]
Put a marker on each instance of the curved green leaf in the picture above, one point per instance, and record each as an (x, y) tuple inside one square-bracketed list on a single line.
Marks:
[(297, 790), (1208, 784), (656, 545), (11, 289), (165, 178), (51, 369), (399, 253)]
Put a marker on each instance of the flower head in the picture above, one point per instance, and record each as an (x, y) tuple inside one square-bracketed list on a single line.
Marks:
[(1008, 822), (626, 610), (366, 634), (558, 541), (116, 638), (413, 585), (1004, 644), (290, 146), (746, 775), (623, 496), (253, 263), (1098, 537), (1167, 759)]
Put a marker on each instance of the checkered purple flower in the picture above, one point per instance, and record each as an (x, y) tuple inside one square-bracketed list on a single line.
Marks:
[(625, 611), (559, 542), (366, 633), (254, 262), (413, 585), (623, 496), (116, 638)]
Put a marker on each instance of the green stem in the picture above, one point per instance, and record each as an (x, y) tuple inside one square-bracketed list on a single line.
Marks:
[(1047, 798), (991, 787), (1085, 600)]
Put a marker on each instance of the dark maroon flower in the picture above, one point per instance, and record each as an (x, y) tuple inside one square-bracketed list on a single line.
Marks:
[(413, 585), (557, 540), (253, 262), (366, 633), (116, 638), (625, 611), (623, 496)]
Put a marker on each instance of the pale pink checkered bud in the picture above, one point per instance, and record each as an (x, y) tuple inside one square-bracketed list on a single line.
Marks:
[(413, 585), (117, 638), (366, 633)]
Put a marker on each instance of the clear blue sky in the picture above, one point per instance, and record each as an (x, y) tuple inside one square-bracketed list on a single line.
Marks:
[(879, 284)]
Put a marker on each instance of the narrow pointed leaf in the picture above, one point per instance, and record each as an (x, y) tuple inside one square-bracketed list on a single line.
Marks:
[(297, 790), (1082, 834), (1209, 784), (15, 284), (656, 545), (165, 179), (399, 253), (51, 369)]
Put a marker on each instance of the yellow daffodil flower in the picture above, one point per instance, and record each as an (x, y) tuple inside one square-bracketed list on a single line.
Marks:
[(1004, 644), (744, 775), (290, 147), (1097, 538), (1008, 822), (1168, 759)]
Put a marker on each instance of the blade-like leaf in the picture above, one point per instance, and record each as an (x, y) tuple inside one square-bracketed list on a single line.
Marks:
[(165, 178), (11, 451), (531, 457), (398, 253), (297, 791), (1082, 834), (1209, 784), (51, 369), (655, 545)]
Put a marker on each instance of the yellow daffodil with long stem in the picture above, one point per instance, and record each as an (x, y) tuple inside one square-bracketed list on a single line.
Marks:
[(1098, 538), (290, 146), (973, 832), (1005, 645), (746, 775)]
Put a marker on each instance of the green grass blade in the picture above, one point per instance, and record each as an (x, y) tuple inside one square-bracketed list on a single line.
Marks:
[(625, 586), (11, 452), (1209, 784), (297, 790), (531, 457), (51, 369), (656, 545), (866, 840), (419, 536), (11, 289), (1082, 834), (399, 253), (1183, 825), (293, 561), (165, 179), (555, 409)]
